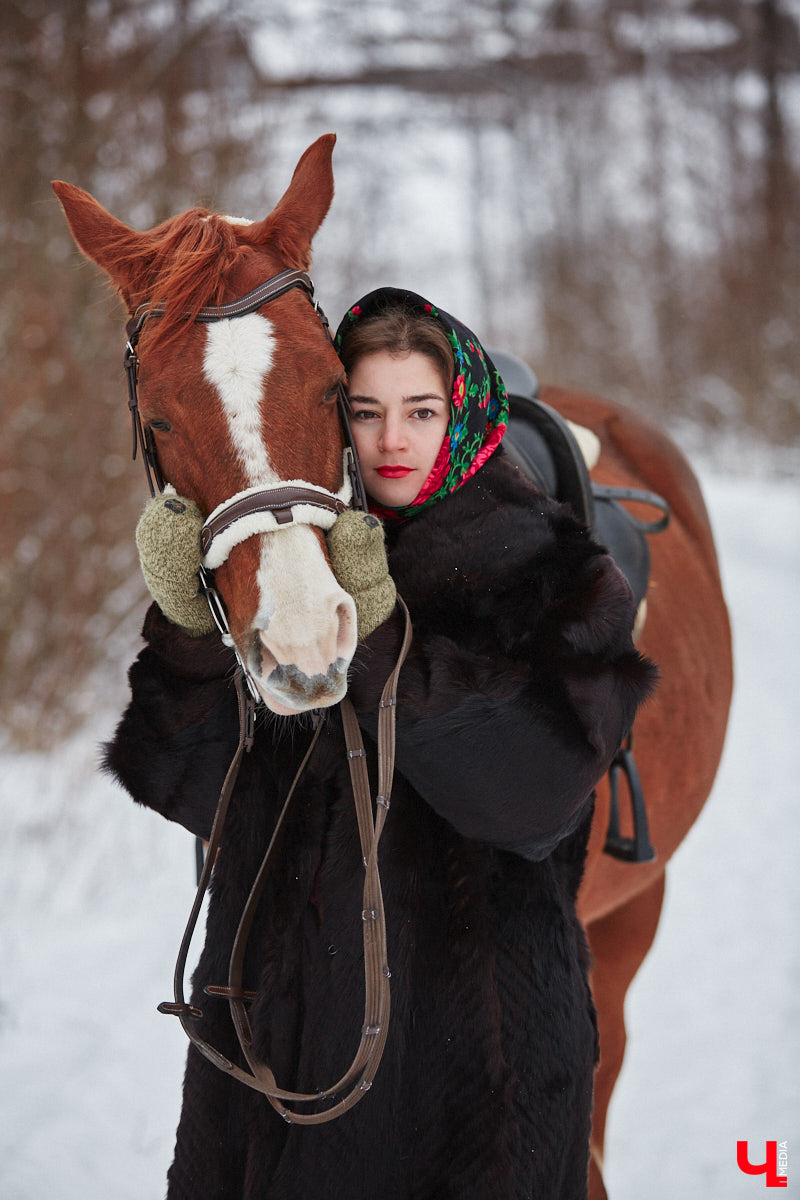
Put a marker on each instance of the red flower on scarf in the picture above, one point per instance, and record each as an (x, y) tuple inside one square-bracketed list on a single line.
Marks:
[(459, 391)]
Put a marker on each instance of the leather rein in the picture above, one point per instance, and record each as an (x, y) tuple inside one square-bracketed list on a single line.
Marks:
[(358, 1079), (284, 503)]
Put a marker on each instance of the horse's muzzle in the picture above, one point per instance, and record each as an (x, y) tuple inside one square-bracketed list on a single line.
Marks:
[(294, 675)]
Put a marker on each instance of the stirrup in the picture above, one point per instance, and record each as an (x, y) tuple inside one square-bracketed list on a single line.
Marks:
[(636, 849)]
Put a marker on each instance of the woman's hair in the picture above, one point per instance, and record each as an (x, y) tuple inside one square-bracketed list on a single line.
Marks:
[(400, 331)]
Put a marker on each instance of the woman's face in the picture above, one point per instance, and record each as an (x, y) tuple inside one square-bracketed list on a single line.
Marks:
[(401, 409)]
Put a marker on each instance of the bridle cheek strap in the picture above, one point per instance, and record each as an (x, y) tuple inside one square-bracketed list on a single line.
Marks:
[(277, 286)]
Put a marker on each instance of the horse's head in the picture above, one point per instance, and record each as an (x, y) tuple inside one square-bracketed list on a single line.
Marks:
[(241, 403)]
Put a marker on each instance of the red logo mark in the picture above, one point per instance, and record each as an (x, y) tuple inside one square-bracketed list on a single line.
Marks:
[(769, 1168)]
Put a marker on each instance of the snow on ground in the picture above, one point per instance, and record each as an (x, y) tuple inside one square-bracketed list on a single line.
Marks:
[(94, 894), (714, 1014)]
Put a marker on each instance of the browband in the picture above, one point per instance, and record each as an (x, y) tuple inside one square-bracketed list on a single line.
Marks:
[(269, 290)]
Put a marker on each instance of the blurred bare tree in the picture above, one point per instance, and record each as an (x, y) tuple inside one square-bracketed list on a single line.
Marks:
[(99, 94), (608, 187)]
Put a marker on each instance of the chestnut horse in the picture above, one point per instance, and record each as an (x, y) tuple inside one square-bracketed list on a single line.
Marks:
[(226, 402)]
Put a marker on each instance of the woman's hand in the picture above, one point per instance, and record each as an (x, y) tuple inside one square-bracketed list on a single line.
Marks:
[(168, 541), (358, 558)]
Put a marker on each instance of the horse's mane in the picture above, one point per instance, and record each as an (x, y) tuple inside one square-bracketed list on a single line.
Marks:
[(187, 262)]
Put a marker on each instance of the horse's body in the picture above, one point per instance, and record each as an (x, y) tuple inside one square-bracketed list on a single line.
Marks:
[(234, 399), (679, 733)]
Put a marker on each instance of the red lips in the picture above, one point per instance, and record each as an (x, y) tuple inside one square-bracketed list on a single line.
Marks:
[(393, 472)]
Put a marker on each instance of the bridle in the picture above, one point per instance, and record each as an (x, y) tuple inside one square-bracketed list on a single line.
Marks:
[(274, 507), (258, 509)]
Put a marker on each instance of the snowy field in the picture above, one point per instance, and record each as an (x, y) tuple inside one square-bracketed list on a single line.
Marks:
[(94, 894)]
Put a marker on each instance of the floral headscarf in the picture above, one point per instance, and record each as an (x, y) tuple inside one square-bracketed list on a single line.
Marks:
[(478, 406)]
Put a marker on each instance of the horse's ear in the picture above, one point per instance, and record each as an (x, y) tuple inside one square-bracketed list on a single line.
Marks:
[(122, 252), (291, 226)]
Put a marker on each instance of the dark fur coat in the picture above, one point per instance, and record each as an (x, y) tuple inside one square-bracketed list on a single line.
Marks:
[(520, 683)]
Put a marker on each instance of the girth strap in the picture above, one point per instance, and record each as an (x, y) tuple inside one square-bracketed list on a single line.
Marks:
[(356, 1081)]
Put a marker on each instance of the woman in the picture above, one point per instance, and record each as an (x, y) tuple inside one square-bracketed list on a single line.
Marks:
[(520, 683)]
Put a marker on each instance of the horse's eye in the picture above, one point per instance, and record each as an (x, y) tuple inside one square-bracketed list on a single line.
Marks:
[(160, 426)]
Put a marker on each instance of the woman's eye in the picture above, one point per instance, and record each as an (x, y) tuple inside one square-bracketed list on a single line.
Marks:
[(363, 414), (424, 414)]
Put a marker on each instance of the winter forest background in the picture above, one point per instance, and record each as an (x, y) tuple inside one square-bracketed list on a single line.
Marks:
[(607, 187)]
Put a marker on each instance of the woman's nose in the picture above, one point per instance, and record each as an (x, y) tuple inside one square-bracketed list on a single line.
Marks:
[(393, 435)]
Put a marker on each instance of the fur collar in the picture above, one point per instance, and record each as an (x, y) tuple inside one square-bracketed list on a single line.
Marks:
[(495, 551)]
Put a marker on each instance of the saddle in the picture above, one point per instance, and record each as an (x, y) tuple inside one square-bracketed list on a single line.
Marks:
[(548, 449)]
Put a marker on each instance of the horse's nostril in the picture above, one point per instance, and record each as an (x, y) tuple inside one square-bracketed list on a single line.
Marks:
[(265, 661), (346, 631)]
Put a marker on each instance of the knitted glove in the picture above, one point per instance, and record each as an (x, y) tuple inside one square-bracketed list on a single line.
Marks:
[(358, 558), (168, 541)]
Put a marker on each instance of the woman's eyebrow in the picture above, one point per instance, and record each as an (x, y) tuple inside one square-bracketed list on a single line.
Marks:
[(418, 399)]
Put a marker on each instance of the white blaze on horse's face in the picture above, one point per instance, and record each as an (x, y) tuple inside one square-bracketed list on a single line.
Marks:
[(304, 632)]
